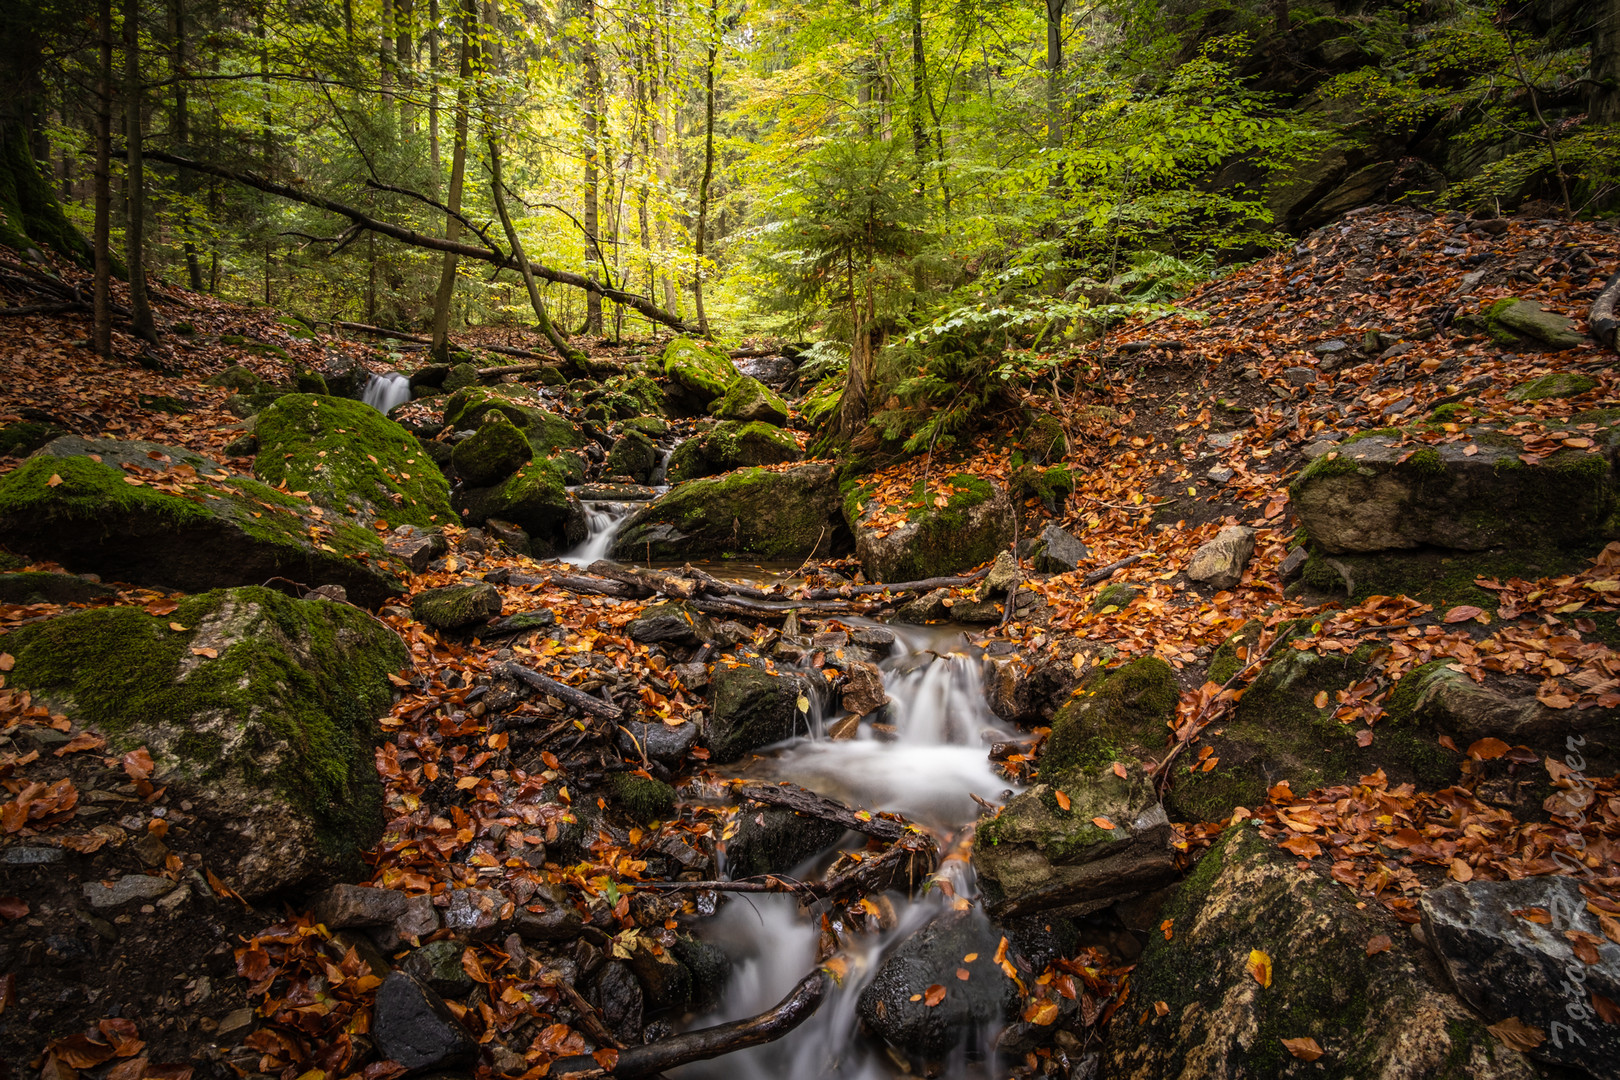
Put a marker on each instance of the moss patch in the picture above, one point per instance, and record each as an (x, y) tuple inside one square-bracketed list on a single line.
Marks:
[(760, 512), (646, 800), (494, 452), (1120, 714), (705, 373)]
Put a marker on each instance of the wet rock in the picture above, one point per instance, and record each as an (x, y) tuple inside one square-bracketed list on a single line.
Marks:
[(862, 692), (479, 914), (437, 965), (729, 445), (128, 888), (975, 524), (507, 535), (533, 499), (1374, 1016), (633, 455), (1220, 562), (415, 547), (1507, 965), (495, 451), (412, 1025), (1058, 552), (775, 840), (873, 637), (660, 742), (772, 514), (1451, 702), (617, 994), (456, 607), (522, 623), (754, 708), (670, 621), (928, 958), (930, 607), (695, 674), (1556, 385), (343, 906), (31, 856), (419, 919), (616, 493), (548, 916)]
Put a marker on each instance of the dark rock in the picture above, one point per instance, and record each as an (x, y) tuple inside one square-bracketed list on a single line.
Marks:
[(495, 451), (1058, 552), (771, 514), (660, 742), (456, 607), (975, 524), (617, 994), (671, 621), (731, 445), (775, 840), (633, 455), (754, 708), (415, 547), (1505, 965), (1293, 563), (510, 536), (45, 588), (343, 906), (748, 399), (522, 622), (437, 965), (548, 916), (616, 493), (412, 1025), (479, 914)]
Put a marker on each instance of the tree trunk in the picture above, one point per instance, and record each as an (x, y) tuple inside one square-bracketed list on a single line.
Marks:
[(852, 406), (708, 167), (433, 96), (140, 305), (101, 334), (919, 90), (663, 146), (1054, 73), (404, 15), (1604, 103), (594, 106), (458, 169), (182, 135)]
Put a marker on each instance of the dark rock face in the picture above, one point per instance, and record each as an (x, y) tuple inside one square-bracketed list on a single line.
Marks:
[(633, 455), (438, 965), (753, 708), (1058, 552), (456, 606), (660, 742), (1507, 965), (617, 993), (775, 840), (931, 957), (413, 1026), (773, 514), (670, 622), (343, 906)]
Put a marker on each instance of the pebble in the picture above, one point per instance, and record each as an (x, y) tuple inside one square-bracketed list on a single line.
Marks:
[(125, 889), (31, 856)]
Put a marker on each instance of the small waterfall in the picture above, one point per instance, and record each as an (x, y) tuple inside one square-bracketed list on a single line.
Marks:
[(602, 521), (661, 470), (387, 391)]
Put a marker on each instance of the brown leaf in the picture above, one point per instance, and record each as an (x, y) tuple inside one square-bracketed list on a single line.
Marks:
[(12, 907), (55, 480), (1379, 943), (138, 764), (933, 995), (79, 1052), (606, 1058), (1537, 915), (205, 651), (1102, 823), (1042, 1012), (1305, 1048), (1463, 613), (7, 661), (1460, 870), (1518, 1035), (1119, 771), (963, 974), (1487, 749), (1607, 1010)]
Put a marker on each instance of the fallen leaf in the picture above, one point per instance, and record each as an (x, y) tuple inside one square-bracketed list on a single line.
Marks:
[(1462, 613), (12, 907), (1304, 1048), (1167, 927), (1102, 823), (138, 764), (1062, 799), (1119, 771), (7, 661), (970, 957), (1517, 1035), (1460, 871), (606, 1058), (1379, 943), (1259, 966), (933, 995), (205, 651), (1605, 1008), (1487, 749), (54, 480), (963, 974), (1042, 1012)]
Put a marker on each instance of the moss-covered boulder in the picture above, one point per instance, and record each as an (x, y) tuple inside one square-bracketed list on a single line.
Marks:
[(822, 400), (749, 399), (752, 708), (633, 455), (39, 587), (23, 438), (241, 379), (170, 523), (546, 431), (262, 711), (1382, 1015), (759, 512), (643, 798), (975, 524), (730, 445), (1378, 493), (1511, 321), (455, 607), (350, 459), (459, 377), (704, 373), (1117, 715), (493, 452), (1558, 384), (533, 499), (1105, 839), (1277, 733)]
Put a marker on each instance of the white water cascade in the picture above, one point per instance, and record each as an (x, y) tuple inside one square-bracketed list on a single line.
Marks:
[(602, 521), (937, 757), (387, 391)]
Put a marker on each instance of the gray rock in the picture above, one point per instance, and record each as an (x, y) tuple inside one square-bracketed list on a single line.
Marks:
[(1505, 965), (670, 621), (659, 741), (31, 856), (412, 1025), (1004, 576), (437, 965), (872, 637), (1219, 474), (343, 906), (1223, 440), (479, 914), (975, 526), (415, 547), (754, 708), (515, 539), (927, 608), (522, 623), (1300, 376), (1398, 407), (1220, 562), (617, 995), (1554, 385), (1058, 552), (1325, 348), (1294, 562), (419, 919), (1525, 319), (128, 888), (775, 840)]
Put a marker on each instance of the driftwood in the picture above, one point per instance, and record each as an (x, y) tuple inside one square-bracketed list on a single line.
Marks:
[(819, 806), (1604, 318), (774, 609), (925, 585), (586, 702), (1104, 572), (653, 581), (716, 587), (712, 1042), (574, 583), (908, 861)]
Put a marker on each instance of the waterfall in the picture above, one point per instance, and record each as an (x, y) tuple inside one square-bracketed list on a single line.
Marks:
[(602, 521), (387, 391)]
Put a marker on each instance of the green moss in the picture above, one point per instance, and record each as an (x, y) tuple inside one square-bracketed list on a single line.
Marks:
[(546, 431), (646, 800), (295, 693), (760, 512), (1452, 412), (749, 399), (494, 452), (1426, 460), (22, 439), (1051, 486), (1122, 712), (29, 210), (633, 455), (1401, 706), (309, 382), (350, 458), (39, 587), (731, 445), (705, 373), (1225, 663), (1444, 579), (822, 400)]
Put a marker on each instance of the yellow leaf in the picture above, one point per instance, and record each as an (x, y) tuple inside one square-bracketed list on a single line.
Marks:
[(1260, 967), (177, 627), (53, 481), (209, 653)]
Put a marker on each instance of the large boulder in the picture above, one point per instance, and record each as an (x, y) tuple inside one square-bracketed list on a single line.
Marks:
[(1511, 320), (633, 455), (775, 840), (730, 445), (554, 439), (975, 523), (1076, 842), (1378, 493), (456, 607), (703, 374), (155, 515), (1508, 948), (1118, 714), (752, 708), (533, 499), (492, 453), (261, 711), (1196, 1009), (767, 513), (749, 399), (351, 459)]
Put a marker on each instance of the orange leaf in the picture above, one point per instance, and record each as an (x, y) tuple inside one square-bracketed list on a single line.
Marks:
[(1379, 943), (1259, 966), (1463, 613), (1042, 1012), (138, 764), (54, 480), (607, 1058), (205, 651), (1306, 1048), (1062, 799), (1460, 871), (1102, 823), (1167, 927), (1119, 771), (934, 995), (1518, 1035), (7, 661), (1321, 699), (1487, 749)]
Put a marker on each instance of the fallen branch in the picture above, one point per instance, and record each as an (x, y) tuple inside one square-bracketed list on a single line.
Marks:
[(817, 806), (706, 1043), (925, 585), (716, 587), (41, 309), (1604, 318), (1102, 573), (774, 609), (585, 702), (654, 581), (590, 586)]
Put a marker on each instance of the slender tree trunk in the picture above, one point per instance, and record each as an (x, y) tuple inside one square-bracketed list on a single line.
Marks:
[(1604, 102), (852, 406), (458, 168), (497, 188), (663, 144), (404, 15), (1279, 16), (433, 95), (101, 334), (708, 167), (919, 91), (593, 128), (644, 145), (1054, 73), (140, 305), (182, 135)]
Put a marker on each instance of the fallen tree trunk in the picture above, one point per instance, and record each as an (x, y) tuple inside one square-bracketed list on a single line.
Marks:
[(654, 581), (363, 222), (1604, 318), (819, 806), (925, 585), (706, 1043), (592, 586), (585, 702)]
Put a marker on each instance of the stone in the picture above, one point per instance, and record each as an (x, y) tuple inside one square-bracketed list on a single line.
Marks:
[(37, 587), (1219, 474), (1293, 563), (749, 399), (533, 499), (616, 493), (508, 535), (1506, 965), (548, 434), (660, 742), (617, 996), (352, 460), (771, 514), (1377, 495), (1447, 700), (670, 621), (496, 450), (412, 1026), (633, 455), (1299, 376), (456, 607), (1004, 576), (1220, 562), (241, 379), (975, 524), (929, 607), (1122, 712), (62, 504), (1510, 320), (415, 547), (1559, 384), (419, 919), (1038, 856), (437, 965), (775, 840), (862, 692), (549, 916), (1382, 1015), (702, 373), (730, 445), (479, 914), (523, 622), (126, 889), (343, 906), (1324, 348), (31, 856), (262, 713), (1058, 552), (752, 708)]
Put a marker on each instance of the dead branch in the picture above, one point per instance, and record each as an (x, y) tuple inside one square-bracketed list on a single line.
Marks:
[(1104, 572), (813, 805), (925, 585), (586, 703)]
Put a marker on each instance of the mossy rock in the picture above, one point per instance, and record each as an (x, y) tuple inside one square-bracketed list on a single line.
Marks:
[(245, 405), (1442, 578), (759, 512), (822, 400), (753, 708), (272, 739), (546, 431), (215, 533), (730, 445), (352, 460), (459, 377), (1044, 440), (704, 373), (310, 382), (240, 379), (39, 587), (633, 455), (1378, 1015), (23, 438), (1052, 487), (646, 800), (533, 499), (1121, 714), (973, 526), (494, 452), (1558, 384), (749, 399), (1116, 594), (1510, 321), (655, 426), (1226, 662), (456, 607)]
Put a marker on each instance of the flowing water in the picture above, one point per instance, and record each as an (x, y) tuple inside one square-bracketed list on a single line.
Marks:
[(387, 391), (602, 522), (928, 771)]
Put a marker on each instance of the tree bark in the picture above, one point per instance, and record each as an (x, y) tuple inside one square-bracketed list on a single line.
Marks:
[(433, 95), (458, 171), (708, 167), (140, 304), (1054, 73), (1604, 103), (568, 353), (101, 333), (182, 136), (594, 117)]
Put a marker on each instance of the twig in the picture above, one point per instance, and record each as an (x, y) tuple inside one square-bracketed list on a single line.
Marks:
[(586, 703), (1104, 572)]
